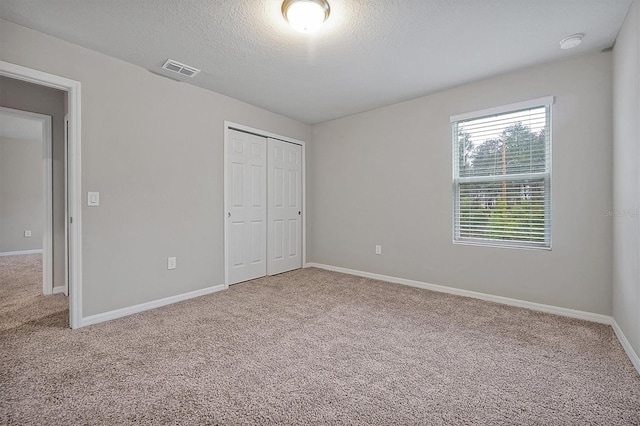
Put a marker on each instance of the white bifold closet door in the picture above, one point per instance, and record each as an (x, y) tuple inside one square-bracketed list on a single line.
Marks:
[(246, 219), (284, 206), (264, 201)]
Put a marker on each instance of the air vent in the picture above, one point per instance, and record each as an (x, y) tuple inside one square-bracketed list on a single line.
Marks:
[(175, 66)]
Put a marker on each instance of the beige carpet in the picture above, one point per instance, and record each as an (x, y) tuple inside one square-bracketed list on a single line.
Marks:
[(307, 347)]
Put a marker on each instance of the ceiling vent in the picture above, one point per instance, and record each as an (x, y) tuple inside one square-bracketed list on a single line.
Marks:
[(175, 66)]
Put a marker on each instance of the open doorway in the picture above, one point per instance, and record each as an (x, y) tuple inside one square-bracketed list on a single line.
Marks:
[(65, 270), (27, 187)]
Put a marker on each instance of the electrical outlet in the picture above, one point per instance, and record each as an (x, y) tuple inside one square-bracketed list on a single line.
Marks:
[(27, 233), (378, 249), (171, 263)]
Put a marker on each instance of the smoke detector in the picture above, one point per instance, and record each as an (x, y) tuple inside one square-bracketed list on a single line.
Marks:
[(180, 68), (571, 41)]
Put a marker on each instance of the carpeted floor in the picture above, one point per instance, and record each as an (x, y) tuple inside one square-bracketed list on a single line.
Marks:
[(307, 347)]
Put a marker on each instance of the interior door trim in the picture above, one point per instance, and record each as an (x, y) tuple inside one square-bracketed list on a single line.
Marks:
[(74, 167)]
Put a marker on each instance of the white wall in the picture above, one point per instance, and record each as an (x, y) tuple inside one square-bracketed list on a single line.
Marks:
[(385, 177), (44, 100), (626, 168), (153, 149), (21, 199)]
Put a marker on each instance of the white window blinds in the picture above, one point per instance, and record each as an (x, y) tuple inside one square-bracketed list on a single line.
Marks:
[(502, 175)]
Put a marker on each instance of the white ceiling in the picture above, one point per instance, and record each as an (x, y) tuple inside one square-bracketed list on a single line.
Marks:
[(369, 53), (21, 128)]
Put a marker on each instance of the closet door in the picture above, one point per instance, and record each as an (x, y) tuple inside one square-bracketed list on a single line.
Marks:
[(284, 211), (246, 221)]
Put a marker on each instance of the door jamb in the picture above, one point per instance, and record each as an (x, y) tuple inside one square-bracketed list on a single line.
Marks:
[(66, 205), (228, 125), (73, 89)]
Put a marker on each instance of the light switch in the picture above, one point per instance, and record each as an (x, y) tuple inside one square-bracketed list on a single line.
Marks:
[(94, 199), (171, 263)]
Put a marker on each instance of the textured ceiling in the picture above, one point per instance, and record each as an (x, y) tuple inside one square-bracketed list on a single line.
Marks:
[(22, 128), (368, 54)]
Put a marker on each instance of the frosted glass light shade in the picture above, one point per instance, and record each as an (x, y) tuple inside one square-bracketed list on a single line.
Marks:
[(305, 15)]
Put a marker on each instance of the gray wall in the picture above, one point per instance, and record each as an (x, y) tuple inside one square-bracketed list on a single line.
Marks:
[(381, 177), (385, 177), (153, 149), (626, 199), (21, 200), (43, 100)]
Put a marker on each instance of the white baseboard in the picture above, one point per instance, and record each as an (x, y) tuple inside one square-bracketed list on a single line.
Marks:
[(565, 312), (58, 289), (19, 252), (119, 313), (633, 356)]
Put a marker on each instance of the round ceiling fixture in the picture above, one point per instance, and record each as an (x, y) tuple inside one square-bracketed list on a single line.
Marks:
[(571, 41), (305, 15)]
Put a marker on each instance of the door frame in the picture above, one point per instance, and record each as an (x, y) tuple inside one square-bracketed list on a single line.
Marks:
[(47, 192), (66, 205), (228, 125), (74, 170)]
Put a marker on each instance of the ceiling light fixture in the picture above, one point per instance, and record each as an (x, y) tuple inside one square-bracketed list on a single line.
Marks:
[(571, 41), (305, 15)]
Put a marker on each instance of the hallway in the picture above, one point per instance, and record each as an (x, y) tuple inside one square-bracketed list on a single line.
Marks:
[(22, 304)]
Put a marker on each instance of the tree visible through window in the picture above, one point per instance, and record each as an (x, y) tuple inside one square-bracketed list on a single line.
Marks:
[(502, 176)]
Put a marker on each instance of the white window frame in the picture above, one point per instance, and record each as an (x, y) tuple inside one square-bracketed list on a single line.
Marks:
[(546, 101)]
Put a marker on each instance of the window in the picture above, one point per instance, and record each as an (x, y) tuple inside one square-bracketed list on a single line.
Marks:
[(502, 175)]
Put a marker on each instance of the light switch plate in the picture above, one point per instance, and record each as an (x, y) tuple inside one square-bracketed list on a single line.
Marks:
[(27, 233), (93, 199), (171, 263)]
